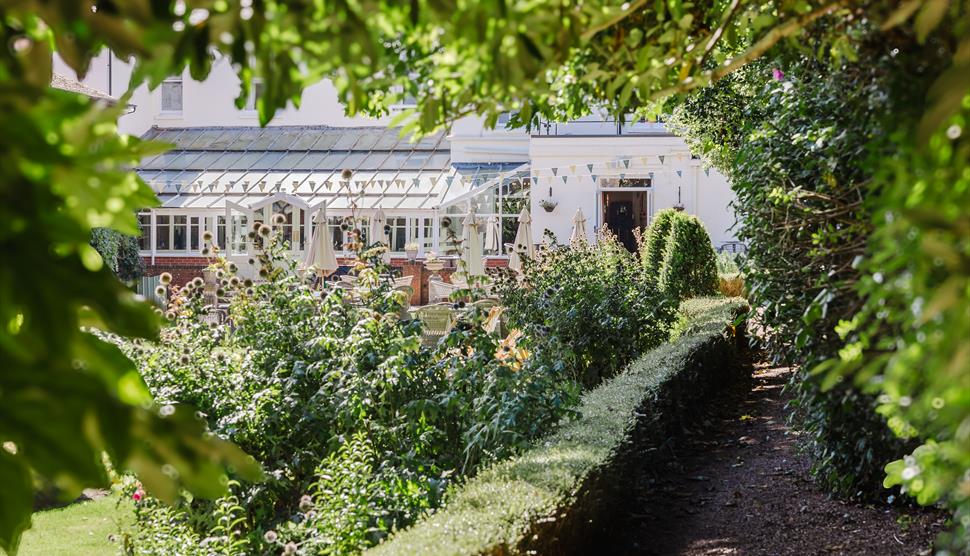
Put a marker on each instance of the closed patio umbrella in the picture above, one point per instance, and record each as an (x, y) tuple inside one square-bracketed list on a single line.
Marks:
[(579, 227), (378, 233), (472, 246), (320, 255), (523, 246), (493, 235)]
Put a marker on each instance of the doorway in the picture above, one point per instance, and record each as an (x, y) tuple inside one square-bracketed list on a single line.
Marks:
[(623, 213)]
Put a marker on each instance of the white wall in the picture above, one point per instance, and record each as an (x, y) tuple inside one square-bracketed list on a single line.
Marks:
[(704, 196), (211, 102)]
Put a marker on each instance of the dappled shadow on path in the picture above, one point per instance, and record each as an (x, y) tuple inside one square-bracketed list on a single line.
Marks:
[(737, 485)]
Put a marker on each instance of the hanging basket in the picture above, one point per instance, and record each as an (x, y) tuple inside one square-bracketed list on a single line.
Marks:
[(548, 205)]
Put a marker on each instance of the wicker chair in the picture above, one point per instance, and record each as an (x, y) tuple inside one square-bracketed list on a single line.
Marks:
[(440, 291), (436, 321)]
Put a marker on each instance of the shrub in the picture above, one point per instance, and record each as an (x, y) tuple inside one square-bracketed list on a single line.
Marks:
[(551, 492), (655, 242), (596, 301), (689, 267), (349, 414)]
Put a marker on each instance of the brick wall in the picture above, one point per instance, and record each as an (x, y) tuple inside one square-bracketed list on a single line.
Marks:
[(185, 268)]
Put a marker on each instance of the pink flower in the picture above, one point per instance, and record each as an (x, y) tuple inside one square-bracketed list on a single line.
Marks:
[(138, 495), (777, 74)]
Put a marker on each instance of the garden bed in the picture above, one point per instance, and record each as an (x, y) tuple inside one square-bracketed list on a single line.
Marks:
[(546, 499)]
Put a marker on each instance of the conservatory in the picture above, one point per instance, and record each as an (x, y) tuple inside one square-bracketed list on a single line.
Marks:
[(228, 179)]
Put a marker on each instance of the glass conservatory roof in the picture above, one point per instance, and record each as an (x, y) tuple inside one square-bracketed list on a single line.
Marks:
[(211, 165)]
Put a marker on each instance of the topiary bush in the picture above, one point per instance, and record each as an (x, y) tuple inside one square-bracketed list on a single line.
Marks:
[(655, 242), (689, 267)]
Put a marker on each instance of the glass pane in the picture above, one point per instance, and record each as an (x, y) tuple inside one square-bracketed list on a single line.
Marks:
[(194, 233), (179, 225), (145, 225), (449, 234), (486, 201), (162, 229), (427, 237), (510, 226), (240, 229), (221, 232)]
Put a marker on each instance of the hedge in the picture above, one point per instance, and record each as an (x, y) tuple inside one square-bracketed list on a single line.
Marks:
[(546, 499)]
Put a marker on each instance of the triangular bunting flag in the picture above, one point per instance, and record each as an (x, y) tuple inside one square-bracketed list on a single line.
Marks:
[(416, 182), (707, 171), (680, 173), (651, 175), (449, 180), (594, 177), (626, 163), (572, 169), (564, 178), (661, 159), (590, 168), (643, 160), (555, 171)]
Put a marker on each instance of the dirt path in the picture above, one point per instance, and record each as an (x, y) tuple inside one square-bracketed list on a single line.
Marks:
[(740, 487)]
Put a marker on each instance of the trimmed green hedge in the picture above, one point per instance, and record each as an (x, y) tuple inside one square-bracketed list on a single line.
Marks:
[(545, 499)]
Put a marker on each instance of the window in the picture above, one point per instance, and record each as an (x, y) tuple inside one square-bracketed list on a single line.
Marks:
[(427, 235), (179, 232), (253, 95), (163, 226), (221, 232), (145, 225), (397, 229), (240, 229), (172, 95)]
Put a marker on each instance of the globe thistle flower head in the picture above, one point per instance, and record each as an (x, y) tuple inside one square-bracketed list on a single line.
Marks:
[(165, 278), (232, 267), (265, 231), (221, 292), (161, 291), (184, 359), (205, 251), (346, 173), (198, 282), (207, 236), (220, 274), (279, 219)]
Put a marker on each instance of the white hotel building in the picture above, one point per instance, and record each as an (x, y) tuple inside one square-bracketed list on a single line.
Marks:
[(225, 173)]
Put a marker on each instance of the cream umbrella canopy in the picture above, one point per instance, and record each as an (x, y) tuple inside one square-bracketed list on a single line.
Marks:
[(378, 233), (523, 246), (472, 248), (579, 227), (320, 255)]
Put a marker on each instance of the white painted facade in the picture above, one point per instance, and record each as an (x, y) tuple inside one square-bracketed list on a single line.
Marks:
[(593, 155)]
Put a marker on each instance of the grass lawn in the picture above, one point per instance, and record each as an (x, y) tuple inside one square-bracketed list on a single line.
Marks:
[(80, 529)]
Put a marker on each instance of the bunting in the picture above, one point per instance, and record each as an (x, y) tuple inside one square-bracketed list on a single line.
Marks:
[(590, 168), (626, 163), (661, 157), (555, 171), (707, 172), (564, 178), (680, 173)]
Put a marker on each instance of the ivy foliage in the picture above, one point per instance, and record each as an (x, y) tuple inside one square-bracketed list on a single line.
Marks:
[(858, 251), (119, 252)]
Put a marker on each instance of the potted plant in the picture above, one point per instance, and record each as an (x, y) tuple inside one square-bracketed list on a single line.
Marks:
[(548, 205), (412, 251), (434, 264)]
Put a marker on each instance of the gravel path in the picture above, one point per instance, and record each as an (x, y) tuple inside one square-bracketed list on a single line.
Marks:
[(739, 486)]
